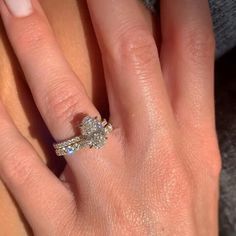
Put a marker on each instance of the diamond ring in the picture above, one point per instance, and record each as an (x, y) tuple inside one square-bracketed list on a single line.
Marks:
[(93, 135)]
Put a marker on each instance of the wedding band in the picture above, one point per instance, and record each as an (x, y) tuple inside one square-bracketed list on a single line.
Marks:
[(93, 135)]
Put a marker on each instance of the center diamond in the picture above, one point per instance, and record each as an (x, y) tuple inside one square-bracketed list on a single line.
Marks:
[(93, 131)]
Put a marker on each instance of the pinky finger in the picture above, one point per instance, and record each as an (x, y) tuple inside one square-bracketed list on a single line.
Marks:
[(40, 195)]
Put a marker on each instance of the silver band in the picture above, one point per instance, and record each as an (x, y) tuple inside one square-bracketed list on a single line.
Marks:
[(93, 135)]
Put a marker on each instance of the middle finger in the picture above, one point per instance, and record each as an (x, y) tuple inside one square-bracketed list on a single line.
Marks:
[(137, 94)]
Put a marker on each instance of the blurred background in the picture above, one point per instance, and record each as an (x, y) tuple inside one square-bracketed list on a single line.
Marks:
[(226, 127)]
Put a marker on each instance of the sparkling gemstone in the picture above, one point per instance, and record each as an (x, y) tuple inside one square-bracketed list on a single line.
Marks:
[(94, 132), (91, 125), (108, 128), (70, 150), (87, 119)]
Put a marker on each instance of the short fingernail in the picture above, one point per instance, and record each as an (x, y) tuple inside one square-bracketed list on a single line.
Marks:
[(19, 8)]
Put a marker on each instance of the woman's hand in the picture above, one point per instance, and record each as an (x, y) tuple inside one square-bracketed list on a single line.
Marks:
[(158, 173)]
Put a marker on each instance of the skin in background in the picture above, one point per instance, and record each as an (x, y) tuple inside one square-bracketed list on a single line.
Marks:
[(71, 24)]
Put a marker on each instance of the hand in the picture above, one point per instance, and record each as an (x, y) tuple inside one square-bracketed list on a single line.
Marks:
[(158, 173)]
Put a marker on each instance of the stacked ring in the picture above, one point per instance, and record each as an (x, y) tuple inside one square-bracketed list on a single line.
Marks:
[(93, 134)]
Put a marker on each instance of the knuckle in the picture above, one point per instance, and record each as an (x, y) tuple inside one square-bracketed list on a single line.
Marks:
[(16, 166), (32, 35), (62, 102), (137, 46)]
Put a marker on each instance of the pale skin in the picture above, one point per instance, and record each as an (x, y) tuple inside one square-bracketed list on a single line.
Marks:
[(161, 164)]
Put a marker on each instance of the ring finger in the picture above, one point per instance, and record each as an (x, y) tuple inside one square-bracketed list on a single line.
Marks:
[(136, 90), (58, 93)]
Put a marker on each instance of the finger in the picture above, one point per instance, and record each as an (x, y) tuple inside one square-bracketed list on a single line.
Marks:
[(38, 192), (58, 93), (135, 87), (188, 59)]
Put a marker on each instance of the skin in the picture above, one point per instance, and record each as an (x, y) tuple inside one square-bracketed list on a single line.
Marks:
[(71, 33), (178, 83), (76, 37)]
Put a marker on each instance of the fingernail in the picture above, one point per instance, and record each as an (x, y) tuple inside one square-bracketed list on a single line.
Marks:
[(19, 8)]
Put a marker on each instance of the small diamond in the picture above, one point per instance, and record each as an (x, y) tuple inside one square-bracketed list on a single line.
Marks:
[(70, 150), (108, 128)]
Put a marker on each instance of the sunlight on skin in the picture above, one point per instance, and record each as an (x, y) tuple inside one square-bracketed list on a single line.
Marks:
[(71, 23)]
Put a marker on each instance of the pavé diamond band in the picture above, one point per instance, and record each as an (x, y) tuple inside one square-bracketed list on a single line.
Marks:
[(93, 135)]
